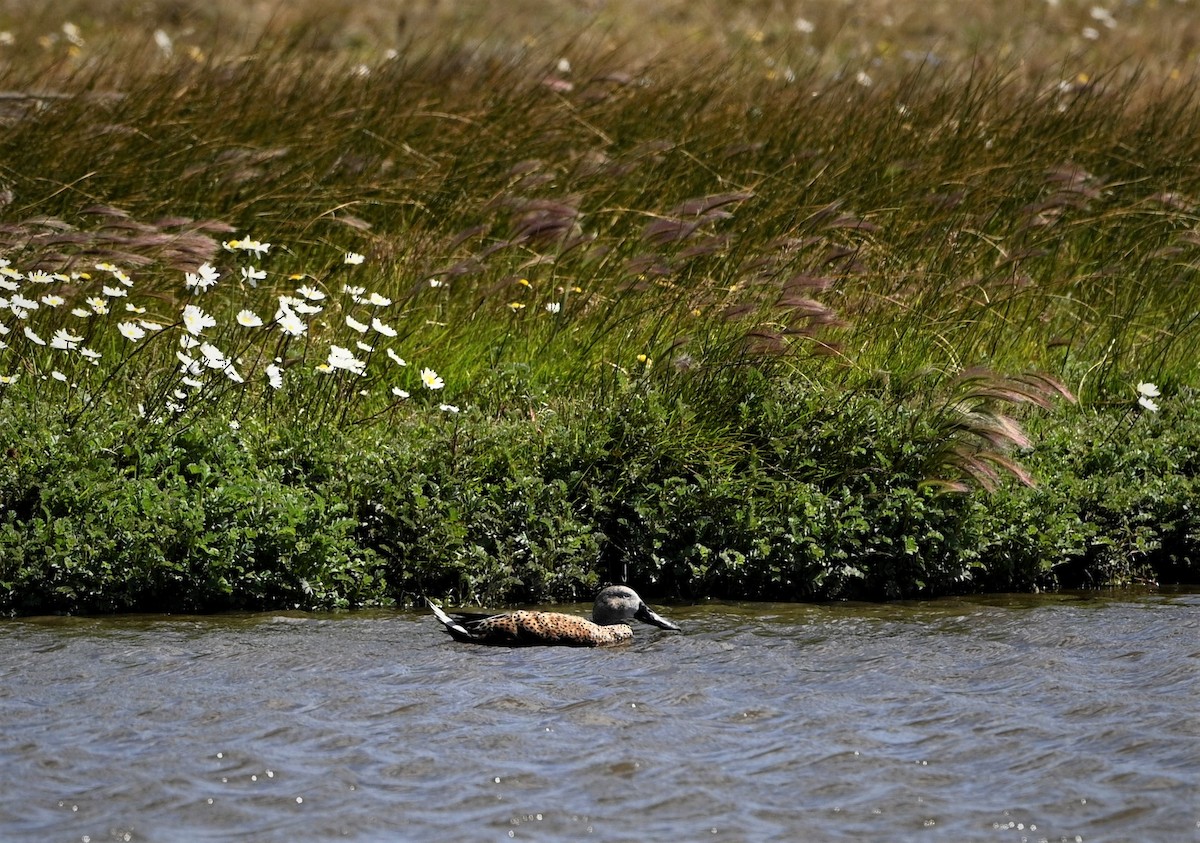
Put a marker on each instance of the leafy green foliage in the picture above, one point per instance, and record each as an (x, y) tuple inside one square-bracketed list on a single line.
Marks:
[(784, 500), (119, 519)]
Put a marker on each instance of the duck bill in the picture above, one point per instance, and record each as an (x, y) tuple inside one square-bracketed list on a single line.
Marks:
[(647, 615)]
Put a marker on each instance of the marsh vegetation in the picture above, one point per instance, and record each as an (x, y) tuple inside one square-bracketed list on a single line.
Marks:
[(310, 310)]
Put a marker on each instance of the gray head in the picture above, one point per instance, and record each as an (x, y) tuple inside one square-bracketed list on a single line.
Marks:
[(619, 603)]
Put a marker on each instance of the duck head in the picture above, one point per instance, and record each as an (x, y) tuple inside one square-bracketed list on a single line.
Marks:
[(619, 603)]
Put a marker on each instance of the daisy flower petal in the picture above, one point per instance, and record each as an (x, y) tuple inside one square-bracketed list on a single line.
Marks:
[(249, 319), (431, 379)]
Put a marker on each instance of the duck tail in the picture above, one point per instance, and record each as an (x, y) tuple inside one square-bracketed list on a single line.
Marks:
[(456, 629)]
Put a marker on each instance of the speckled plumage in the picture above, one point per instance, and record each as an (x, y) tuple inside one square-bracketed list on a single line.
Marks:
[(524, 628)]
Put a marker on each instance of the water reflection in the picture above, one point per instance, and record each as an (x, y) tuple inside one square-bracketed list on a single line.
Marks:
[(1007, 718)]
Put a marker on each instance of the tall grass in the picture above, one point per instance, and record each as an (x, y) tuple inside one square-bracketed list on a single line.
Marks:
[(926, 222)]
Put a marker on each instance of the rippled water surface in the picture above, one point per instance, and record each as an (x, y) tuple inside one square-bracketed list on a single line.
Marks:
[(1067, 717)]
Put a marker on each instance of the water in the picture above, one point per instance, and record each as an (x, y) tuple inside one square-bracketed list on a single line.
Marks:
[(1065, 717)]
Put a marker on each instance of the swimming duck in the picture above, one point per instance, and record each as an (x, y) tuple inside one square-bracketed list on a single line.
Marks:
[(614, 605)]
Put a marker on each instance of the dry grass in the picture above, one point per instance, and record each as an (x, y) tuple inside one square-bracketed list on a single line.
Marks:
[(1044, 38)]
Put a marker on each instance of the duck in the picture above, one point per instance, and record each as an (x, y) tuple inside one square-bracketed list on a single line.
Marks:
[(614, 606)]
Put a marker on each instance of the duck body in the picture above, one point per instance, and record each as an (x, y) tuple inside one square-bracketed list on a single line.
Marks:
[(524, 628)]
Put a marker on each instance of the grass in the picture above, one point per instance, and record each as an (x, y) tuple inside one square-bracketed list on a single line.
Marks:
[(729, 316)]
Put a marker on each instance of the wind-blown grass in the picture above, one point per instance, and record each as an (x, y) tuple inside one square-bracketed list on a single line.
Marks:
[(731, 331)]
